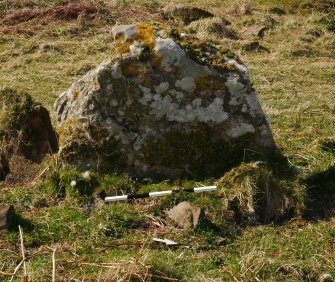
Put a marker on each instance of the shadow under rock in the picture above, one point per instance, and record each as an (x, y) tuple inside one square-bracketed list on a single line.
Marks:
[(320, 204)]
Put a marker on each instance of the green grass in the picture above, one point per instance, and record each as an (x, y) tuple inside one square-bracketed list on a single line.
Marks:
[(296, 82)]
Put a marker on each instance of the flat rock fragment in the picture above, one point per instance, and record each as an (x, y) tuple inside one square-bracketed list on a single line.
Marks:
[(186, 215), (6, 217)]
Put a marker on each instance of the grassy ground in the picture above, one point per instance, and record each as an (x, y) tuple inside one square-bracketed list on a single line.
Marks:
[(296, 82)]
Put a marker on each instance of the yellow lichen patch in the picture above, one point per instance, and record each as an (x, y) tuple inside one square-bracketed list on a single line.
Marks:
[(120, 38), (146, 35), (75, 95), (164, 26), (156, 61), (202, 82), (133, 69), (68, 128), (123, 49), (209, 83), (123, 45)]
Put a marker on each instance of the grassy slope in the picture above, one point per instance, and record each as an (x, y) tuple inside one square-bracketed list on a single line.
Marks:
[(296, 82)]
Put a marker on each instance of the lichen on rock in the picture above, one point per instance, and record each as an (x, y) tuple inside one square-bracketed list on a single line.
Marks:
[(167, 105)]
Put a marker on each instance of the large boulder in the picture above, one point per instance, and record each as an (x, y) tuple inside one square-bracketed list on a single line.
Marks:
[(25, 127), (166, 106)]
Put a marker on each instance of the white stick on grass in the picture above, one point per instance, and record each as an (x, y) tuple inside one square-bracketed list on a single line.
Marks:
[(54, 265), (23, 255), (16, 270)]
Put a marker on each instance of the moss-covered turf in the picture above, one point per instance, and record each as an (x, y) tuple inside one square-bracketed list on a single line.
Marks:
[(96, 242)]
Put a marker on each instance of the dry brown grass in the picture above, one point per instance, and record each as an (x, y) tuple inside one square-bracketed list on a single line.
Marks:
[(68, 12)]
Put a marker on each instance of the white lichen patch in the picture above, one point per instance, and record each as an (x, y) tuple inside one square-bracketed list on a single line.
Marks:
[(136, 49), (214, 112), (116, 71), (114, 103), (186, 83), (110, 88), (236, 89), (177, 94), (173, 56), (254, 106), (147, 95), (242, 129), (242, 68), (165, 107), (170, 52), (162, 87)]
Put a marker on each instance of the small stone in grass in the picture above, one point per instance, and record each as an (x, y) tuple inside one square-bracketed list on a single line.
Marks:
[(6, 216)]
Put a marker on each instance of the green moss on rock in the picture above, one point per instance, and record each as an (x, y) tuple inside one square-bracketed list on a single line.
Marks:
[(195, 153), (95, 145), (15, 109), (25, 126)]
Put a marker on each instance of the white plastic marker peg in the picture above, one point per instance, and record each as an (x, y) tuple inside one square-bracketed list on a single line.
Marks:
[(116, 198), (158, 194), (204, 189)]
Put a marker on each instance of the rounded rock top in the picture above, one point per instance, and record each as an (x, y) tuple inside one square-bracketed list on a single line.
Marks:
[(167, 105)]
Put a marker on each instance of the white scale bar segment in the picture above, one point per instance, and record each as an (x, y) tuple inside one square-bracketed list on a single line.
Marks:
[(116, 198), (160, 193), (203, 189)]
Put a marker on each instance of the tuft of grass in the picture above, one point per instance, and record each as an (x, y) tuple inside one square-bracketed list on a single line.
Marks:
[(257, 192), (15, 107)]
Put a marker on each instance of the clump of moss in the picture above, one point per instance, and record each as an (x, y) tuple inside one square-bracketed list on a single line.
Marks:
[(82, 186), (328, 144), (25, 126), (185, 13), (195, 152), (212, 28), (256, 192), (133, 69), (15, 107), (207, 53), (328, 22), (83, 141), (118, 220), (117, 184), (70, 183)]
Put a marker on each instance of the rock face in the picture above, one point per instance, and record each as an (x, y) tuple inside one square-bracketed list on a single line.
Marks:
[(186, 216), (25, 127), (166, 106), (4, 166), (39, 138), (6, 217)]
